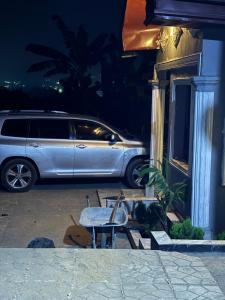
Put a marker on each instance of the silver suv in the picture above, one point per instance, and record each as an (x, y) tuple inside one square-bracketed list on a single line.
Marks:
[(38, 144)]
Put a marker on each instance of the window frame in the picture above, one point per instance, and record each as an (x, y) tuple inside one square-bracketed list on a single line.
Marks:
[(174, 82)]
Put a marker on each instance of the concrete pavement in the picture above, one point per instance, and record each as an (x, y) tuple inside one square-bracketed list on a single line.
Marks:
[(81, 274), (25, 216), (44, 211)]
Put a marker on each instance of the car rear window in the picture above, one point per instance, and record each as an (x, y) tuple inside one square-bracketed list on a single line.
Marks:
[(15, 128)]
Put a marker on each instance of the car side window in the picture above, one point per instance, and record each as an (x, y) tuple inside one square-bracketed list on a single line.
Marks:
[(86, 130), (49, 129), (15, 128)]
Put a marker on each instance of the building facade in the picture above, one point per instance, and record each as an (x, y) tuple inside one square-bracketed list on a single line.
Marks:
[(188, 111)]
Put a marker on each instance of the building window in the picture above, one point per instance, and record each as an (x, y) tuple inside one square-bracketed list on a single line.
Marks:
[(181, 128)]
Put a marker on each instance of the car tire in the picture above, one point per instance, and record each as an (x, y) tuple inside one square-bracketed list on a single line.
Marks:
[(18, 175), (132, 177)]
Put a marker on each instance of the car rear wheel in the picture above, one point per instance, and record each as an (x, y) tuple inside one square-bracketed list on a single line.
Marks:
[(18, 175), (132, 174)]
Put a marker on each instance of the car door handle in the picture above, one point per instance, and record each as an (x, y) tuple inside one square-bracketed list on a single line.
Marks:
[(34, 145), (81, 146)]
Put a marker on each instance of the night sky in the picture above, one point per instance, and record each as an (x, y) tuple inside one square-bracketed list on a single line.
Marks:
[(29, 21)]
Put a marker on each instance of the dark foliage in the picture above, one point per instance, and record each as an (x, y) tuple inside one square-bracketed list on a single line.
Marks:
[(185, 230), (123, 97), (141, 213), (221, 236)]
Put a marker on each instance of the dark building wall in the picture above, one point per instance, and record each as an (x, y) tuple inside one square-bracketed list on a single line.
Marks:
[(212, 63), (176, 175), (218, 189), (212, 57), (188, 44)]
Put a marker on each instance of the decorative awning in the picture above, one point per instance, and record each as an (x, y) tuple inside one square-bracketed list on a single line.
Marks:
[(137, 36), (185, 13)]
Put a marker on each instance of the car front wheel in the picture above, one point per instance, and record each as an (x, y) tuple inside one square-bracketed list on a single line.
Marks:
[(18, 175), (132, 174)]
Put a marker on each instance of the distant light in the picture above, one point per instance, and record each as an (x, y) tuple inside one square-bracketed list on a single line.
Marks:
[(60, 90)]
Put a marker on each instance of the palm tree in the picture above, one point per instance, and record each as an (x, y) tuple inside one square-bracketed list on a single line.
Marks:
[(76, 64)]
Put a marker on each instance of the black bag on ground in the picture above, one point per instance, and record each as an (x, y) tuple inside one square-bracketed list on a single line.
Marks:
[(41, 242)]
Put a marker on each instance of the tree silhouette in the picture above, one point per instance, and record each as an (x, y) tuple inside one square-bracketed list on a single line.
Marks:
[(124, 81), (125, 87), (76, 64)]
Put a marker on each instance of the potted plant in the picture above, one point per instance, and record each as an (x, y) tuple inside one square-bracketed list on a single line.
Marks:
[(165, 192)]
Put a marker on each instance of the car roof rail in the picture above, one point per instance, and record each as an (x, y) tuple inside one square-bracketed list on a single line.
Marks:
[(56, 112), (32, 111)]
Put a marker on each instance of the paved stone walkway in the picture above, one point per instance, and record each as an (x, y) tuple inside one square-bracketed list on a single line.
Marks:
[(215, 263), (103, 274)]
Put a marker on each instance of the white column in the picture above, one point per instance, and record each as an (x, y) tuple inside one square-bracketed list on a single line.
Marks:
[(157, 120), (204, 94), (157, 124)]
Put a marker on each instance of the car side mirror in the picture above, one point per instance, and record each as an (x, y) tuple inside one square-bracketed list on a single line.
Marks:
[(113, 138)]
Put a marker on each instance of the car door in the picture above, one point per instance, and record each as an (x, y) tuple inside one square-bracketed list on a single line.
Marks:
[(51, 145), (95, 153)]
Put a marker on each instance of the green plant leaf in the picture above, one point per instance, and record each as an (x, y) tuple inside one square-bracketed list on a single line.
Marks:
[(185, 230)]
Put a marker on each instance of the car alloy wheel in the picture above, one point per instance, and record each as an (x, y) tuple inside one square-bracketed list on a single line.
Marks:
[(139, 181), (18, 176), (132, 174)]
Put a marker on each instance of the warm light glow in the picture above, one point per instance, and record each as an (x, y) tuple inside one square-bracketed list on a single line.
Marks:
[(98, 131), (136, 36)]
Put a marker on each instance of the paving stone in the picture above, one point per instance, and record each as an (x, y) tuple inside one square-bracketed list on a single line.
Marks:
[(102, 274), (36, 290), (179, 259), (198, 292), (215, 262), (87, 273)]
